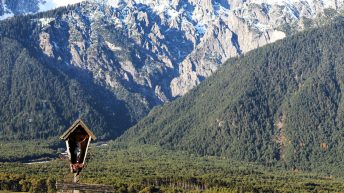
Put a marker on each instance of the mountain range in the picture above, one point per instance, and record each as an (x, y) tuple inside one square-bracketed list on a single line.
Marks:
[(187, 39), (128, 56)]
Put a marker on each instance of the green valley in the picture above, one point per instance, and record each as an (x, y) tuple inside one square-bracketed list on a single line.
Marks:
[(152, 169)]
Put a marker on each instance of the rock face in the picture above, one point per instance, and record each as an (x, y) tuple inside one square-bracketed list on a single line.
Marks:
[(23, 6), (9, 8), (154, 51), (177, 43)]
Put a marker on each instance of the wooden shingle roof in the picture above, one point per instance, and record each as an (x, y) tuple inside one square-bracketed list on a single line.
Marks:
[(75, 125)]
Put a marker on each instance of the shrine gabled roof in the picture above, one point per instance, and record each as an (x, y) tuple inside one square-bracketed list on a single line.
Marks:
[(75, 125)]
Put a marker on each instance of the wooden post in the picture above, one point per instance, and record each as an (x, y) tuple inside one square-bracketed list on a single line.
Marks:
[(76, 191), (76, 180)]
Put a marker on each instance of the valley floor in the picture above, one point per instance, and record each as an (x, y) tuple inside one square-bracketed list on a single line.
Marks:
[(152, 169)]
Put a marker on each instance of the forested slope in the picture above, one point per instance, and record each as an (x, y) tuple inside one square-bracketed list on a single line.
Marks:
[(280, 103), (38, 101)]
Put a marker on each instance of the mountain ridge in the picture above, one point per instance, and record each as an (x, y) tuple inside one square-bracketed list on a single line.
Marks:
[(191, 39)]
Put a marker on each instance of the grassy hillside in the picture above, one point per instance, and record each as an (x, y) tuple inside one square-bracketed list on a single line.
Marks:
[(281, 104)]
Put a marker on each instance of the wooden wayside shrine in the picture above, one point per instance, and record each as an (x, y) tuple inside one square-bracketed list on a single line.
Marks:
[(78, 138)]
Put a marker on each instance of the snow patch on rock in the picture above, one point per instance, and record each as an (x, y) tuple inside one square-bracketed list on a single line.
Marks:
[(113, 47)]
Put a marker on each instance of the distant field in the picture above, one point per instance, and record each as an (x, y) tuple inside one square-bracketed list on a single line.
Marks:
[(155, 169), (23, 151)]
